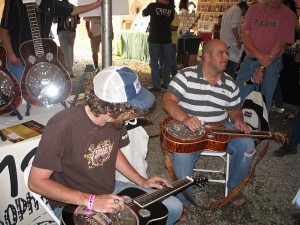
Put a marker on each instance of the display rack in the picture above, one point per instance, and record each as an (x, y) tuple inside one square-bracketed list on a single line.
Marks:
[(209, 10), (187, 21)]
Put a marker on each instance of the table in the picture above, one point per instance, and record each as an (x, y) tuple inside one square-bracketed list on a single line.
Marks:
[(17, 206), (131, 45), (189, 44), (188, 47), (134, 45)]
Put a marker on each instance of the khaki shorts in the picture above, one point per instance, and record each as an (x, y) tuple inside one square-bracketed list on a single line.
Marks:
[(95, 44)]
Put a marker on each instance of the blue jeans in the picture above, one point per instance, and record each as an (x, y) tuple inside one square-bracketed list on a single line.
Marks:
[(295, 132), (174, 60), (268, 84), (239, 166), (163, 52), (174, 206), (16, 71)]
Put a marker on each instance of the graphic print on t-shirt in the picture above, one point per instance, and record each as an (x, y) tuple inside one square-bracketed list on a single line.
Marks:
[(98, 155)]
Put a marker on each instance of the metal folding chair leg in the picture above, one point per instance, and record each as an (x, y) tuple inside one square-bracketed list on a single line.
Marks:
[(224, 169)]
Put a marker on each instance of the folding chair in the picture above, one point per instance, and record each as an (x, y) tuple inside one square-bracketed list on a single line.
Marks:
[(223, 170)]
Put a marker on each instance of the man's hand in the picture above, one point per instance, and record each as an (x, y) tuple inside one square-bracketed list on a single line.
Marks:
[(192, 122), (242, 126), (90, 34), (15, 60), (258, 76), (108, 203), (156, 182)]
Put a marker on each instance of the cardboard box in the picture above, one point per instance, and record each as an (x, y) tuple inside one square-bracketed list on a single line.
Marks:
[(189, 60)]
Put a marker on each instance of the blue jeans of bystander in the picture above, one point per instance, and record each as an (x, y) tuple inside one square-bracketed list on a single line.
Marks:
[(17, 71), (164, 52), (268, 85), (174, 60)]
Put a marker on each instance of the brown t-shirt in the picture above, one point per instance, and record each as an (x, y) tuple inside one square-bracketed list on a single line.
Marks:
[(81, 154)]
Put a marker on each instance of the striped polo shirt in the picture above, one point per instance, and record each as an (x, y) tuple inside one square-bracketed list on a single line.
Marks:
[(198, 98)]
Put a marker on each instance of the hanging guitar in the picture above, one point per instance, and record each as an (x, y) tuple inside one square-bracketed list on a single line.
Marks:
[(177, 138), (10, 91), (141, 208), (45, 81)]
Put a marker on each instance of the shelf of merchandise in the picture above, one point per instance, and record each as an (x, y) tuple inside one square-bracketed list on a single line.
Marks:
[(209, 10)]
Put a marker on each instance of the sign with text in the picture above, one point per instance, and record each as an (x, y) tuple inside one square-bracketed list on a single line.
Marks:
[(17, 205)]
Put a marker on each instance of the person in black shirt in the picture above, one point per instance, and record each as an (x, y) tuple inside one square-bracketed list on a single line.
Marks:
[(160, 41), (15, 27)]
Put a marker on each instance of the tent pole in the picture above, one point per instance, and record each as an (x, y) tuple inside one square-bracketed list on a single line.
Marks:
[(106, 33)]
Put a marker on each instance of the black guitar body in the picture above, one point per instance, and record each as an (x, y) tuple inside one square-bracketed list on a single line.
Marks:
[(154, 214), (158, 211), (45, 81), (142, 208)]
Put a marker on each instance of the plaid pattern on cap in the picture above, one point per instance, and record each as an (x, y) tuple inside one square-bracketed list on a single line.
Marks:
[(117, 84)]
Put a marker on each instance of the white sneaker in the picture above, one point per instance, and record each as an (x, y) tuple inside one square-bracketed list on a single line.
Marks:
[(280, 110), (276, 109)]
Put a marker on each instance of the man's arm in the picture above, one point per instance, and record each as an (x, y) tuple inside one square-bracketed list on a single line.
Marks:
[(85, 8), (6, 41), (170, 104), (276, 50), (40, 182), (124, 167), (88, 29), (236, 34), (236, 117), (248, 43), (146, 11)]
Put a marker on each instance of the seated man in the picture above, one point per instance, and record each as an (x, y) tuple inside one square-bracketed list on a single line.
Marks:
[(204, 93), (80, 151)]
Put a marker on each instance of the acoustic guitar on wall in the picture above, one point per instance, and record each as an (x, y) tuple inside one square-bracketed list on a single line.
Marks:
[(141, 208), (10, 91), (45, 81), (177, 138)]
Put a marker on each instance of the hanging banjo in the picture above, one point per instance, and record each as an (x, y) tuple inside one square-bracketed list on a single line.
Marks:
[(45, 81)]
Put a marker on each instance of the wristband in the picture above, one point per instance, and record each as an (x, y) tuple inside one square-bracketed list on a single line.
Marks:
[(90, 203), (97, 4)]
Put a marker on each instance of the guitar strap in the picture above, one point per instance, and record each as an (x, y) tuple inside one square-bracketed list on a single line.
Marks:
[(233, 193), (242, 184)]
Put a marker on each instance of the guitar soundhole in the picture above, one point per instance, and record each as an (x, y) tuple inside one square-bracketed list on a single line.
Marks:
[(46, 82), (6, 90)]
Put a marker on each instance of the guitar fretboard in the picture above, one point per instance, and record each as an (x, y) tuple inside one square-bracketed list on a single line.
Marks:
[(238, 132), (35, 31), (149, 198)]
